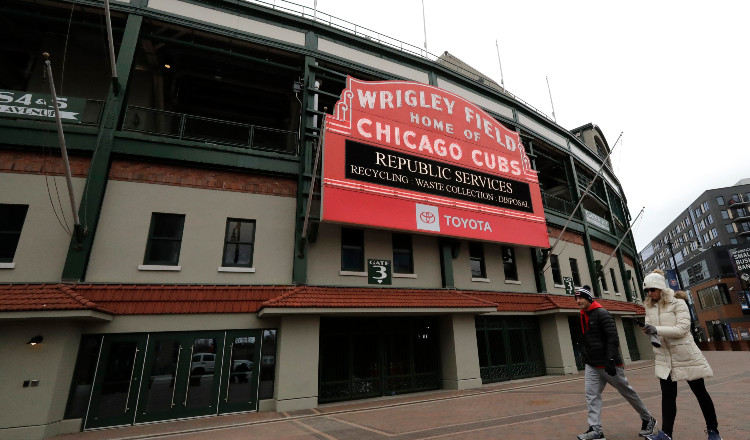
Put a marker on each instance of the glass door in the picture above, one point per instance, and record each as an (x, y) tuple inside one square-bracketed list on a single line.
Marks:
[(181, 377), (115, 388), (240, 376)]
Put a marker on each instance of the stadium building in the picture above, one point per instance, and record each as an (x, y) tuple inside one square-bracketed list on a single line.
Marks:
[(279, 209)]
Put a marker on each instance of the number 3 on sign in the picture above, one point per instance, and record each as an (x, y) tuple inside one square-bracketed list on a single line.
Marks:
[(379, 272)]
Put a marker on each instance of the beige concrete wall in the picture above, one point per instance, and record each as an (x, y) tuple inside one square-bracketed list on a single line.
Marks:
[(358, 56), (495, 280), (297, 363), (233, 21), (35, 412), (324, 259), (180, 323), (564, 252), (458, 352), (120, 242), (43, 245), (557, 344)]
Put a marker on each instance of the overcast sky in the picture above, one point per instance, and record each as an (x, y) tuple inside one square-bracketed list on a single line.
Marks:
[(672, 76)]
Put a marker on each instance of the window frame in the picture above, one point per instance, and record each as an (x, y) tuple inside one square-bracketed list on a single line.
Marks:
[(615, 287), (575, 272), (13, 233), (476, 253), (238, 242), (150, 240), (510, 266), (401, 250), (554, 262), (358, 247)]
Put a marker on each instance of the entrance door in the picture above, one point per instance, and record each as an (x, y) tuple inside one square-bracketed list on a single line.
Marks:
[(162, 376), (181, 376), (241, 372), (115, 389)]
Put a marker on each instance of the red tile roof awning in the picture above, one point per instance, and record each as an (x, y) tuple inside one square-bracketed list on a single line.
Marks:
[(327, 300), (127, 299)]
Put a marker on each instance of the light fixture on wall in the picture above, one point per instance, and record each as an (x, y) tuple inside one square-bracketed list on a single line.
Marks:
[(35, 340)]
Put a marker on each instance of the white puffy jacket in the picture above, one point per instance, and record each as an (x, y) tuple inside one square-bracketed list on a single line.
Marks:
[(678, 354)]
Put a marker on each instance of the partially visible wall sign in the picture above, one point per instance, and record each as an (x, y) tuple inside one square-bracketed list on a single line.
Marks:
[(14, 103)]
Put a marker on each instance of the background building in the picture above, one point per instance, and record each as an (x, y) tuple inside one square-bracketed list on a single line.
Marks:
[(203, 281), (700, 242)]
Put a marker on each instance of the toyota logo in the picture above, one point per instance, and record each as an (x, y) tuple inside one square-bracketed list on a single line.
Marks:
[(427, 217)]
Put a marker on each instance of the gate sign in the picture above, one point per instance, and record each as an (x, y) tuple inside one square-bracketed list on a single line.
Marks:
[(379, 272), (14, 103), (569, 288), (412, 157)]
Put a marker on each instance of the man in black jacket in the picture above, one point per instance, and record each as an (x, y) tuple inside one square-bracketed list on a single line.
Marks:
[(601, 354)]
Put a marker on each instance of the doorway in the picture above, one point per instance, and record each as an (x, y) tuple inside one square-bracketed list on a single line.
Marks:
[(143, 378)]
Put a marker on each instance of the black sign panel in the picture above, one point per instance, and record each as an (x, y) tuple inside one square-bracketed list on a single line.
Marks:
[(371, 164)]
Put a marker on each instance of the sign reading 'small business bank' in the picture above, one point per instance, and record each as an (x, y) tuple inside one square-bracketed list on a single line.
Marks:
[(413, 157)]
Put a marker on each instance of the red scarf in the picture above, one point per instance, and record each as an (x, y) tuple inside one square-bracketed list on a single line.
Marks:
[(585, 316)]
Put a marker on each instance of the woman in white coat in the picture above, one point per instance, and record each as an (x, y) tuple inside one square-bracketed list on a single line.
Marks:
[(678, 358)]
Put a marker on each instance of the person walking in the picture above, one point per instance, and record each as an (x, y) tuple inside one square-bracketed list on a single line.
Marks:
[(601, 354), (678, 357)]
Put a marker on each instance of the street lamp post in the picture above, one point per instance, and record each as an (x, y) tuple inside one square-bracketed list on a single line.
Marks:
[(682, 286)]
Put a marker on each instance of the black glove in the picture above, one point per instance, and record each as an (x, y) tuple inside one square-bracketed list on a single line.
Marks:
[(649, 329), (610, 369)]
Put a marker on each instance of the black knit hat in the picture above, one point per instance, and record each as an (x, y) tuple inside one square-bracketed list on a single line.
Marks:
[(585, 293)]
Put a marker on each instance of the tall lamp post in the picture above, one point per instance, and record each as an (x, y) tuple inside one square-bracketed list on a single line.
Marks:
[(682, 286)]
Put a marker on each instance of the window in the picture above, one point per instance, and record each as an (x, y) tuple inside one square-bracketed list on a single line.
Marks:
[(713, 296), (352, 250), (733, 240), (710, 219), (724, 214), (556, 274), (735, 198), (509, 263), (730, 228), (239, 243), (574, 272), (403, 254), (614, 280), (720, 200), (164, 239), (476, 260), (704, 207), (12, 218), (605, 288)]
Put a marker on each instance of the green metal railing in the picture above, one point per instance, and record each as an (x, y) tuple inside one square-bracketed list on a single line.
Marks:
[(559, 205), (199, 128), (509, 348)]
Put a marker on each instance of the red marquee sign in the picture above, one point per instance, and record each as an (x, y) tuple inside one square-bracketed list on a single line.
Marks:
[(413, 157)]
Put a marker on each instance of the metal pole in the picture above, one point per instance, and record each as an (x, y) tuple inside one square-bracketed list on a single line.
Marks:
[(424, 24), (502, 83), (112, 62), (550, 100), (63, 149)]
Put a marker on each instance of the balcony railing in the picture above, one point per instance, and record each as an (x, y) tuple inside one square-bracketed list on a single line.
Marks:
[(198, 128), (596, 188), (559, 205)]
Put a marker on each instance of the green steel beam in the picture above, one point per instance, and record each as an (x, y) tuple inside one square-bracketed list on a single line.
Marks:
[(299, 268), (93, 194)]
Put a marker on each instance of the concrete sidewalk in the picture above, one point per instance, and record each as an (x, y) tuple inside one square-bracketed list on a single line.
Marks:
[(549, 407)]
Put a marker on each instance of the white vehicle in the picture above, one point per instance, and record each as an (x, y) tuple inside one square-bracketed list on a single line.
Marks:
[(202, 363)]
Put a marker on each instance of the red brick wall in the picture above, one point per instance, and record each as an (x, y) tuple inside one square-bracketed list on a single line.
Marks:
[(570, 237), (194, 177), (32, 162)]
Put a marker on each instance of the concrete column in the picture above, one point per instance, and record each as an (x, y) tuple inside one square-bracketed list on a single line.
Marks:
[(458, 352), (557, 344), (297, 367)]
